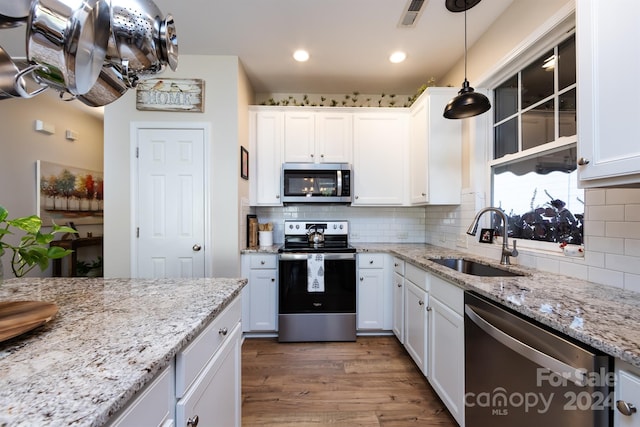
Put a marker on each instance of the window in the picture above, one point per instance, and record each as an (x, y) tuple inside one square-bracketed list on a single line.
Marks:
[(534, 173)]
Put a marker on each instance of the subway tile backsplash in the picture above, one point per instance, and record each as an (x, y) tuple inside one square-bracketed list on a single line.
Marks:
[(367, 225)]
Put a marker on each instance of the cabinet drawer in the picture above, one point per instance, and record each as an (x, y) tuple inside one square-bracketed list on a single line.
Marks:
[(192, 360), (447, 293), (370, 260), (416, 275), (262, 261), (398, 266)]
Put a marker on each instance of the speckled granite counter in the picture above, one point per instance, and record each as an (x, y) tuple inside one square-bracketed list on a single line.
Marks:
[(604, 317), (109, 338)]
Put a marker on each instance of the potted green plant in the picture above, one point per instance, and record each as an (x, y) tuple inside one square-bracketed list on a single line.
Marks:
[(33, 248)]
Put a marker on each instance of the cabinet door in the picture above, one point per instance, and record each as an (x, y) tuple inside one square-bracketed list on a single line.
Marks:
[(446, 357), (215, 399), (415, 324), (380, 159), (299, 137), (627, 389), (608, 133), (370, 311), (398, 307), (334, 137), (435, 150), (267, 135), (263, 297)]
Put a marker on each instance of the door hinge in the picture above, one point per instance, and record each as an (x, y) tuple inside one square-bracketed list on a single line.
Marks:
[(137, 153), (138, 232)]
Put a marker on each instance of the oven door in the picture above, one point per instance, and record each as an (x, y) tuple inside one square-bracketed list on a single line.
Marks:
[(339, 294)]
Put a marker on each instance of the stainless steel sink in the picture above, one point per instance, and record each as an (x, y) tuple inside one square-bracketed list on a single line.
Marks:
[(473, 268)]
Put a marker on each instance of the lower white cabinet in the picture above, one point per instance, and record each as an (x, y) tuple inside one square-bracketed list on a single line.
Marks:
[(627, 395), (215, 397), (374, 304), (260, 295), (155, 405), (416, 320), (446, 345)]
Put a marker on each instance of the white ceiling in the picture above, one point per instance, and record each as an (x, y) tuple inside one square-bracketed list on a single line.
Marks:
[(349, 41)]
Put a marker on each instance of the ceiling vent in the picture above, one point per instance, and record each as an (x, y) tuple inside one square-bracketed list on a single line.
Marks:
[(412, 12)]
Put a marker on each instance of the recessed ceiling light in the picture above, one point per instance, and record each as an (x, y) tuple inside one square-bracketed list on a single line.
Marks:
[(301, 55), (397, 57)]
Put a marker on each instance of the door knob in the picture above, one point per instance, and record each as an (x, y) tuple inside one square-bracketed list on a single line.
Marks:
[(582, 161), (196, 247)]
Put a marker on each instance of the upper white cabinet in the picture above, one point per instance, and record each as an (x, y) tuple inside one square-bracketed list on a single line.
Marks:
[(435, 150), (608, 134), (266, 141), (318, 137), (380, 158)]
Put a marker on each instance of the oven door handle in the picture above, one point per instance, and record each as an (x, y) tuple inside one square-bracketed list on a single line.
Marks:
[(327, 256), (577, 376)]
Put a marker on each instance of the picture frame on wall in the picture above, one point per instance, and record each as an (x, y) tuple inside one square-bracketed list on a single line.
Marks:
[(244, 163), (486, 235)]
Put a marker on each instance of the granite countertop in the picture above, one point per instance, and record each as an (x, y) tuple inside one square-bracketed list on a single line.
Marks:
[(109, 338), (603, 317)]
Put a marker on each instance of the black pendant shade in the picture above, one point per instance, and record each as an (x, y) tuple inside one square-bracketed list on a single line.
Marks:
[(468, 103)]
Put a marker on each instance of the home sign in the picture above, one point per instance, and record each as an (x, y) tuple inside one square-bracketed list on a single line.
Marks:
[(185, 95)]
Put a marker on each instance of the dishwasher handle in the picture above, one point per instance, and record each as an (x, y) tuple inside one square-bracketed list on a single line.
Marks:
[(564, 370)]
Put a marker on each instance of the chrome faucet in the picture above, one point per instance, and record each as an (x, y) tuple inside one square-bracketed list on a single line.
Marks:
[(506, 252)]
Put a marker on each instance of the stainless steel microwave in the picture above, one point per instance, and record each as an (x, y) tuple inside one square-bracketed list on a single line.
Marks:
[(316, 183)]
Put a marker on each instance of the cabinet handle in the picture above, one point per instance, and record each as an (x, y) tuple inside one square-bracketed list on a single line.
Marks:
[(625, 408), (262, 262), (370, 261), (277, 196), (312, 156), (273, 279), (420, 302), (582, 161), (399, 285), (362, 279), (223, 332), (357, 197), (428, 308), (395, 264), (322, 156), (193, 421), (423, 194)]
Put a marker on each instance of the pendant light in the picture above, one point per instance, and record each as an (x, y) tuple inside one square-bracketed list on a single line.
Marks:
[(468, 103)]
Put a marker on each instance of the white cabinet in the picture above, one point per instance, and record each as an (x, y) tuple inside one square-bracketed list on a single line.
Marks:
[(380, 158), (318, 137), (260, 295), (627, 390), (416, 319), (435, 150), (208, 374), (608, 133), (266, 141), (374, 305), (398, 299), (155, 405), (446, 345), (299, 136)]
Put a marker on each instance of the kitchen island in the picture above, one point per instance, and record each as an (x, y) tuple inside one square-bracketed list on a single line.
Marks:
[(109, 339)]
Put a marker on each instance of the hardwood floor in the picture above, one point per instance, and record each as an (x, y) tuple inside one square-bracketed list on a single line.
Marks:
[(371, 382)]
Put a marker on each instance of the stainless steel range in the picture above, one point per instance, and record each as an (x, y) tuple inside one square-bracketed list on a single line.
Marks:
[(317, 282)]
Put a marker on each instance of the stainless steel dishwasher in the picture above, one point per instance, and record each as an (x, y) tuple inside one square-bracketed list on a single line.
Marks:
[(519, 373)]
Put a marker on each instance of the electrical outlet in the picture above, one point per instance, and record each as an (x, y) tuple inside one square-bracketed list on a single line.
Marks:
[(355, 235)]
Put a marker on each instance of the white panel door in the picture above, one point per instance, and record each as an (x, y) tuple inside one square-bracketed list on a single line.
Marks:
[(170, 203)]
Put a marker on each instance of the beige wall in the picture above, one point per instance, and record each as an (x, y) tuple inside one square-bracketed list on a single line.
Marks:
[(227, 95), (22, 146)]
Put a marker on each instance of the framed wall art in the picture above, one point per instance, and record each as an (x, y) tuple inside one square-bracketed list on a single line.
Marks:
[(244, 163), (486, 235), (69, 194)]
